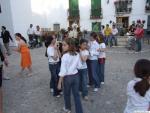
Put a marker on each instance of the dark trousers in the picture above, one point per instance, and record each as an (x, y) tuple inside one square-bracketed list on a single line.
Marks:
[(54, 70), (138, 46), (94, 72), (1, 75), (83, 82), (30, 37), (71, 82), (89, 73), (101, 70)]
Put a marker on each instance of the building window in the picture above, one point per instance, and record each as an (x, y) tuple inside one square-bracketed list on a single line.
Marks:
[(73, 11), (147, 6), (96, 12), (96, 26), (123, 6)]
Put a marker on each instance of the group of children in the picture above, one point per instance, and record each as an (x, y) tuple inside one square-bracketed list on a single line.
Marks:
[(76, 67)]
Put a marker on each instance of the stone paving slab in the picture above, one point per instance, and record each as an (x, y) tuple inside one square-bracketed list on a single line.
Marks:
[(32, 94)]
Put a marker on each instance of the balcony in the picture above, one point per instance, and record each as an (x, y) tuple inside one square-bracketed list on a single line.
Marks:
[(147, 8), (73, 14), (123, 6), (123, 11), (96, 13)]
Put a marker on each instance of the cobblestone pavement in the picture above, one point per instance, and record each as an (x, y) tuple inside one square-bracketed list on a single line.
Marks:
[(32, 94)]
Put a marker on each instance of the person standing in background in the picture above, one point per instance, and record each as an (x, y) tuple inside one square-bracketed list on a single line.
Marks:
[(30, 32), (114, 35), (108, 33), (5, 35), (139, 33), (38, 36)]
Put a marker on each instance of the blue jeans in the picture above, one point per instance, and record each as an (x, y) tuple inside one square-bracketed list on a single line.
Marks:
[(108, 40), (138, 46), (101, 71), (94, 71), (114, 40), (89, 72), (54, 70), (83, 82), (71, 82)]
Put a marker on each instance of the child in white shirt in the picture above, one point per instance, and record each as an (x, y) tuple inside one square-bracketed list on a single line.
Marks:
[(53, 59), (101, 60), (138, 89), (70, 63), (84, 53)]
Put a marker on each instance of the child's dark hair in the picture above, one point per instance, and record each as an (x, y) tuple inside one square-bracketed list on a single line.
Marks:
[(83, 41), (142, 70), (72, 46), (48, 41), (94, 35), (19, 35)]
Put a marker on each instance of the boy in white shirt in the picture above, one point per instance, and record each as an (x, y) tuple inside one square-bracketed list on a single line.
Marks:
[(114, 35), (83, 69)]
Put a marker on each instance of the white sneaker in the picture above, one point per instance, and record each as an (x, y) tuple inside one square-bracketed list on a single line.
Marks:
[(6, 78), (58, 96), (102, 83), (51, 90), (66, 110), (95, 90)]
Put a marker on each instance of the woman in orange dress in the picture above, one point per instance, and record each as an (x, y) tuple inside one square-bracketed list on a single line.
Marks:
[(25, 53)]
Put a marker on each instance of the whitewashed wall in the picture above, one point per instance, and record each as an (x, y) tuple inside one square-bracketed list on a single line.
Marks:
[(47, 12), (5, 16)]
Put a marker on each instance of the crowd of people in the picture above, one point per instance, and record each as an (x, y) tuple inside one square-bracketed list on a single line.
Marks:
[(77, 63)]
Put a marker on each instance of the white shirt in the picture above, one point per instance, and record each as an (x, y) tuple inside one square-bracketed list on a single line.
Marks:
[(94, 46), (30, 31), (135, 101), (50, 53), (84, 53), (102, 54), (38, 33), (69, 64), (114, 31)]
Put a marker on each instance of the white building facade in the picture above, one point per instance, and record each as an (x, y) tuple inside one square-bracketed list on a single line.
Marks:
[(16, 15)]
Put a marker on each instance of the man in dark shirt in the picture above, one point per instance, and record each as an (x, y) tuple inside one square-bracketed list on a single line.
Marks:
[(5, 35)]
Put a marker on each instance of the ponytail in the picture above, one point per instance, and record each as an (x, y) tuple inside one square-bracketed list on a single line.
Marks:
[(142, 87), (142, 70)]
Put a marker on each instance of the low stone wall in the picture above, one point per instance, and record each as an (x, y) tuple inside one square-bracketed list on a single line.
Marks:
[(122, 40)]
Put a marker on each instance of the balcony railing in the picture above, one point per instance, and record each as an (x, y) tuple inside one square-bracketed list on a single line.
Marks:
[(96, 13), (123, 6), (123, 11), (127, 1), (73, 14)]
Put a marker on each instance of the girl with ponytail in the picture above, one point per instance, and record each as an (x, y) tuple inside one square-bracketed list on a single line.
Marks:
[(138, 89)]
